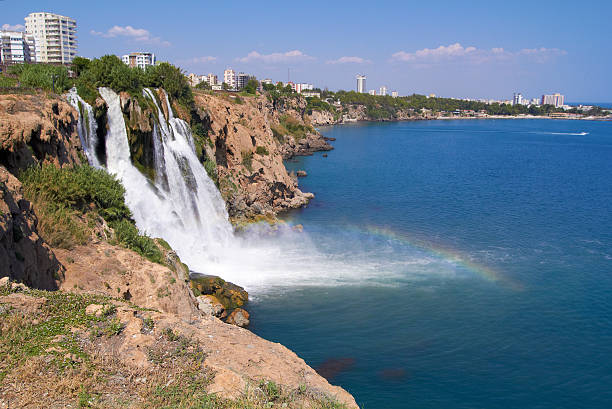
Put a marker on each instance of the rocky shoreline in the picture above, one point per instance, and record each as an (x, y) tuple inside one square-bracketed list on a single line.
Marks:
[(128, 304)]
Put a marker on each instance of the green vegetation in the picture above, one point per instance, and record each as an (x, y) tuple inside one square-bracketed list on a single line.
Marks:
[(251, 87), (289, 125), (262, 150), (67, 197), (42, 76), (7, 82), (315, 103), (247, 160)]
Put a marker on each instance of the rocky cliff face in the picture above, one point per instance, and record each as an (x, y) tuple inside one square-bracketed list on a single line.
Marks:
[(35, 129), (127, 312), (24, 256), (249, 157)]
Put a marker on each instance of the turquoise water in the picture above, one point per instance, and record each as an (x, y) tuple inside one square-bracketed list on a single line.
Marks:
[(481, 254)]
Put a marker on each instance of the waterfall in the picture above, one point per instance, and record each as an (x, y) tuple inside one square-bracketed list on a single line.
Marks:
[(183, 206), (87, 127)]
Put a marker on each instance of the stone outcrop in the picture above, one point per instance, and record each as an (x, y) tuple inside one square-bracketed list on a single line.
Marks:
[(35, 129), (231, 296), (24, 256), (249, 160), (323, 118)]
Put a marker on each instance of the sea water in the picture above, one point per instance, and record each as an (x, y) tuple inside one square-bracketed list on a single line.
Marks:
[(470, 265)]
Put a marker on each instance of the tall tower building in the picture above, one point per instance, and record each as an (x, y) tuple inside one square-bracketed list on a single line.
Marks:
[(556, 99), (361, 83), (517, 99), (382, 91), (55, 37)]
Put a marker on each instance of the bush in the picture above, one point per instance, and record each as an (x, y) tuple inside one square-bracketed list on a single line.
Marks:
[(41, 76), (247, 160), (7, 82), (261, 150), (294, 127), (77, 188), (127, 234)]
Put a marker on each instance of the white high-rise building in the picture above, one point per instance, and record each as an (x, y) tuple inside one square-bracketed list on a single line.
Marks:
[(16, 47), (229, 77), (554, 99), (212, 79), (55, 37), (361, 83), (139, 59), (517, 99), (372, 92), (394, 94), (382, 91)]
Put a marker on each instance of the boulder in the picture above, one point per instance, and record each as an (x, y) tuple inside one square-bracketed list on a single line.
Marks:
[(231, 296), (209, 305), (238, 317)]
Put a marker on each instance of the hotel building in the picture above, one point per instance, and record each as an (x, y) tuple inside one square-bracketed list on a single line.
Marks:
[(16, 47), (55, 37), (139, 59)]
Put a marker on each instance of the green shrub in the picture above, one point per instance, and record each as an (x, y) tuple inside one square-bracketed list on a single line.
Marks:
[(77, 188), (261, 150), (211, 168), (41, 76), (294, 127), (247, 160), (7, 82), (127, 234)]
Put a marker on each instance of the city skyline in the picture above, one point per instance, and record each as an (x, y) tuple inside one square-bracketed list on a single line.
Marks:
[(463, 51)]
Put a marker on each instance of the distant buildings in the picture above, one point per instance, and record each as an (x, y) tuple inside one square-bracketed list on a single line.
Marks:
[(555, 99), (361, 83), (310, 94), (212, 79), (301, 87), (267, 81), (517, 99), (394, 94), (54, 37), (139, 59), (382, 91), (229, 77), (241, 80), (372, 92), (17, 47)]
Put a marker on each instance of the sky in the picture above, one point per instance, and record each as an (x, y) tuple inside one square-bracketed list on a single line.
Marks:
[(462, 49)]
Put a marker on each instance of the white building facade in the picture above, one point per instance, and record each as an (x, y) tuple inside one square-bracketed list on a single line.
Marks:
[(139, 59), (17, 47), (555, 99), (55, 36), (229, 77), (382, 91), (361, 83)]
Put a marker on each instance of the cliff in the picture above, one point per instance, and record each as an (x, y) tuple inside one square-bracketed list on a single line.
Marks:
[(125, 327)]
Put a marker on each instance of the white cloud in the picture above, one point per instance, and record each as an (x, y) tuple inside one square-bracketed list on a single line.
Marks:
[(136, 34), (294, 55), (199, 60), (458, 53), (16, 27), (349, 60)]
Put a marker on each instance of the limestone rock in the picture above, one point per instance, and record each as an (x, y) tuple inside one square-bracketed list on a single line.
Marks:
[(209, 305), (301, 173), (238, 317), (24, 256), (230, 295)]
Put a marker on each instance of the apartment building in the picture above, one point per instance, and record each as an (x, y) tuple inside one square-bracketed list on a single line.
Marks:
[(55, 37), (361, 83), (555, 99), (229, 77), (139, 59), (16, 47)]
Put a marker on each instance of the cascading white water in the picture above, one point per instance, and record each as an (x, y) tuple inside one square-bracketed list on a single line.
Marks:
[(87, 127), (184, 207)]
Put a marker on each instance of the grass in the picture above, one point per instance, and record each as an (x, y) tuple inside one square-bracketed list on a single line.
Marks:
[(68, 201), (247, 160), (262, 150), (50, 343)]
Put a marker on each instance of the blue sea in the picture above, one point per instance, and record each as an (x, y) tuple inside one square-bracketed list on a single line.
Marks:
[(480, 255)]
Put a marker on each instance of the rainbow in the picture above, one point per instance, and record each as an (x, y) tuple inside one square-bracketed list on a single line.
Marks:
[(450, 256)]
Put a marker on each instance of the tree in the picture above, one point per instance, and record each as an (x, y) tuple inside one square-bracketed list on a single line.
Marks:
[(251, 87), (225, 86), (80, 65), (203, 85)]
